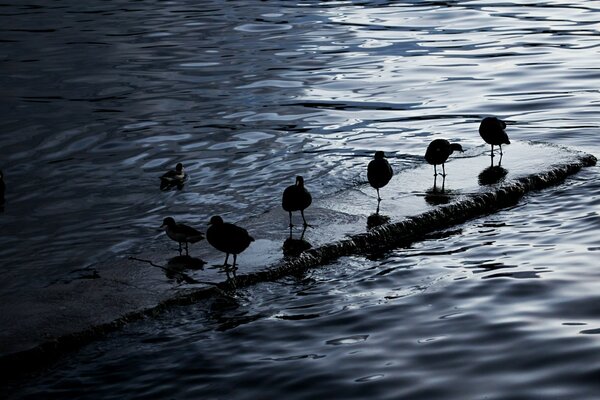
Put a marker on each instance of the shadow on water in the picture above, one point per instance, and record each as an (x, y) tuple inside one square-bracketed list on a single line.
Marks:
[(177, 266), (376, 219), (436, 196), (294, 247), (492, 175)]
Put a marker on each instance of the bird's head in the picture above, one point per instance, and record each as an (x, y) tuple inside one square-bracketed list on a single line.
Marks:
[(379, 155), (179, 167), (299, 181), (216, 220), (169, 221), (456, 147)]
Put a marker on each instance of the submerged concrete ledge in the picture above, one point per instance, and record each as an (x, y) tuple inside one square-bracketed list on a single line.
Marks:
[(80, 311)]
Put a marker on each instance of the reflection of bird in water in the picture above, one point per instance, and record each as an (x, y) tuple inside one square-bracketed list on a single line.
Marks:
[(435, 197), (181, 233), (379, 172), (296, 197), (377, 219), (173, 178), (294, 247), (228, 238), (492, 131), (2, 188), (492, 175), (438, 152)]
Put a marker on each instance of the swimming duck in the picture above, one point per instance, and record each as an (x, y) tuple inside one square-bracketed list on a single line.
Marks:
[(296, 197), (438, 152), (228, 238), (2, 188), (379, 172), (173, 177), (181, 233), (492, 131)]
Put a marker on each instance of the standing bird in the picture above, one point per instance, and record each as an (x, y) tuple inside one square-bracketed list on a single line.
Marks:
[(379, 172), (172, 178), (181, 233), (228, 238), (2, 188), (296, 197), (492, 131), (438, 152)]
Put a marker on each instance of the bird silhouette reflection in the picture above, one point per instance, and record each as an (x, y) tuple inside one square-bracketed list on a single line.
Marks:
[(436, 196), (492, 175), (294, 247), (377, 219), (177, 266)]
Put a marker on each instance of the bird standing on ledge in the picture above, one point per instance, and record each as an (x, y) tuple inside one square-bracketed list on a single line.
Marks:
[(379, 172), (492, 131), (438, 152), (296, 197), (181, 233), (228, 238)]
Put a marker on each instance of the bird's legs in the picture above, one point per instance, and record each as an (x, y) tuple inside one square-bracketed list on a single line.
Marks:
[(443, 171), (226, 259), (291, 219), (304, 219), (500, 160), (179, 248), (434, 170), (378, 198)]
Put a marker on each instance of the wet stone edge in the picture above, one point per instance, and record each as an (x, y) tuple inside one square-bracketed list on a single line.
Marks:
[(383, 238)]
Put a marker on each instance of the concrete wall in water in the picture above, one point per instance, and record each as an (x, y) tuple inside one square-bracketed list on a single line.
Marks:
[(69, 314)]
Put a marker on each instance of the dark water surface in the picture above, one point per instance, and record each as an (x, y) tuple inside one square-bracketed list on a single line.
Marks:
[(99, 98)]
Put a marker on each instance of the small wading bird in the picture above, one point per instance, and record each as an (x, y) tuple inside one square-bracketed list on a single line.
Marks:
[(296, 197), (492, 131), (172, 178), (438, 152), (379, 172), (2, 188), (181, 233), (228, 238)]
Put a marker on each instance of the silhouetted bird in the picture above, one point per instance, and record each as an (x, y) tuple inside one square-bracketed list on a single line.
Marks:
[(172, 178), (228, 238), (438, 152), (492, 131), (2, 188), (296, 197), (379, 172), (181, 233)]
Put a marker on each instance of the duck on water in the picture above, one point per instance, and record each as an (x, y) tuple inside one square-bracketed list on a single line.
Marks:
[(173, 178)]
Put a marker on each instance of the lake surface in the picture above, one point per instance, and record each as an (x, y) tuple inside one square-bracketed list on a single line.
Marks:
[(100, 98)]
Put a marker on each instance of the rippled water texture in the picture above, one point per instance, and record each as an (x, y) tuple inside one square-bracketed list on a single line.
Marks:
[(100, 98)]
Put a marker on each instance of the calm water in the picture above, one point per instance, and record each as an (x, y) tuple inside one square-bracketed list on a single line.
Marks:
[(99, 98)]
